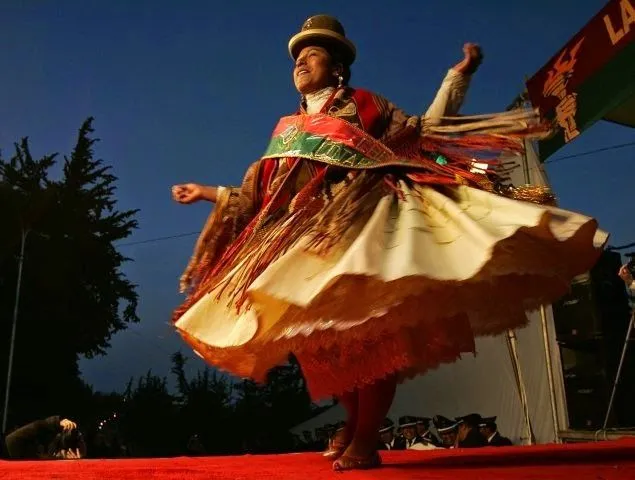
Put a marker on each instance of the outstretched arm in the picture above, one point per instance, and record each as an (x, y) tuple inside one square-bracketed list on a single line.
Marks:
[(187, 193), (234, 209), (448, 100), (452, 92)]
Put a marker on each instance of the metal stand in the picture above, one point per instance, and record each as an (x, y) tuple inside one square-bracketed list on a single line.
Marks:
[(552, 382), (619, 371), (16, 306), (512, 345)]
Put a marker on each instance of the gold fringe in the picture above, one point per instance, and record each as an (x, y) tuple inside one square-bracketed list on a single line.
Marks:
[(539, 194), (207, 246), (506, 123), (350, 200)]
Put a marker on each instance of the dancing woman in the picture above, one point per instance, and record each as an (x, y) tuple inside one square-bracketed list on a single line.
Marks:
[(365, 243)]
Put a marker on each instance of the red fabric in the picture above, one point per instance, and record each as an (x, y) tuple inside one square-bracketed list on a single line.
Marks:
[(269, 167), (591, 461), (369, 115), (367, 112)]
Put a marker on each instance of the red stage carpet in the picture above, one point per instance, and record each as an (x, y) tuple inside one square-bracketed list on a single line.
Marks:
[(581, 461)]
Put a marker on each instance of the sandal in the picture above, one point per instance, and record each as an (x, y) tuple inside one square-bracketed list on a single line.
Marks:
[(334, 451), (346, 462)]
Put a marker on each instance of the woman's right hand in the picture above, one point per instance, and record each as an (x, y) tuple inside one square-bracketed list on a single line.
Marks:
[(187, 193)]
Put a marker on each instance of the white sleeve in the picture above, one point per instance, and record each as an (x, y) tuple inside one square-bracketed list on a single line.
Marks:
[(449, 98)]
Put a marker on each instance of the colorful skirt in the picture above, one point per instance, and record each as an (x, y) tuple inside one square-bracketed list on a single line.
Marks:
[(408, 285)]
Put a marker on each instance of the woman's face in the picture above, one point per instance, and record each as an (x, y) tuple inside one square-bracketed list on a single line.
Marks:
[(313, 70)]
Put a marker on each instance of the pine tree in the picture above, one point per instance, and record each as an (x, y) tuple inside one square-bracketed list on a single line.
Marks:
[(74, 296)]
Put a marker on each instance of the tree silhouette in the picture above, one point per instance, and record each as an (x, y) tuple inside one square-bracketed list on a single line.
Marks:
[(149, 419), (206, 409), (74, 296), (267, 412)]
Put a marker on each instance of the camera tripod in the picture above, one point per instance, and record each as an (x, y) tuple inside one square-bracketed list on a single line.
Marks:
[(618, 375)]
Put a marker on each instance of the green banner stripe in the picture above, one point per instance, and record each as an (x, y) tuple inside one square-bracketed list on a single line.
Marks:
[(315, 147)]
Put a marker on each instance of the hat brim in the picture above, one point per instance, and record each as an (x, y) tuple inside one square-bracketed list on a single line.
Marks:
[(486, 424), (405, 425), (447, 429), (386, 429), (319, 37)]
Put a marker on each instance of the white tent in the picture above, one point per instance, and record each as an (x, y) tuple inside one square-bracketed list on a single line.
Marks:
[(488, 383)]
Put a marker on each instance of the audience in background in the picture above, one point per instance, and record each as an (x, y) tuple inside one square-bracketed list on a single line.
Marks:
[(489, 431), (468, 435), (447, 430), (414, 433)]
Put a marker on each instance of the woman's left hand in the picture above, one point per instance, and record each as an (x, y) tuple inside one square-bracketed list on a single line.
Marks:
[(473, 57)]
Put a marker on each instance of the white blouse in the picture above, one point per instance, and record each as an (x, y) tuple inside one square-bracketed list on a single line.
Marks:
[(316, 100)]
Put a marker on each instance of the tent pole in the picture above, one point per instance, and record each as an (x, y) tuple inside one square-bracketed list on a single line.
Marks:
[(552, 383), (512, 345), (545, 331)]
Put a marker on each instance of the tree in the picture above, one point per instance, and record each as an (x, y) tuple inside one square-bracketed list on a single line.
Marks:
[(74, 295), (269, 411), (149, 419), (206, 408)]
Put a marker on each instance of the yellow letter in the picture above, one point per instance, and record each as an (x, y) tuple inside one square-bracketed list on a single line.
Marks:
[(628, 15), (613, 35)]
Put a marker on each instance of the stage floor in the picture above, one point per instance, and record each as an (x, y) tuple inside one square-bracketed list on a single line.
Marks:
[(611, 460)]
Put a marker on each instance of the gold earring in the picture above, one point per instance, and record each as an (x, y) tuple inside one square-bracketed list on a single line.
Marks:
[(340, 81)]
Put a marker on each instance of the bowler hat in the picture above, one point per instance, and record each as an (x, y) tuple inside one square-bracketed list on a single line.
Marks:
[(325, 31)]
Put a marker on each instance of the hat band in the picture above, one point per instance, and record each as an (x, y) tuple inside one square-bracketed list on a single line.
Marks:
[(447, 429), (413, 424)]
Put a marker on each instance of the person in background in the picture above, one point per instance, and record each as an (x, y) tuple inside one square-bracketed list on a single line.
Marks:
[(468, 435), (321, 437), (423, 431), (387, 439), (68, 445), (195, 445), (33, 441), (447, 430), (626, 274), (413, 441), (489, 431)]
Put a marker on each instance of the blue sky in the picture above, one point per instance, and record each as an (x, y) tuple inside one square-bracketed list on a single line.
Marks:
[(189, 91)]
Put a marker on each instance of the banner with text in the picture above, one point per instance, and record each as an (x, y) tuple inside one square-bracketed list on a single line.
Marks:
[(591, 76)]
